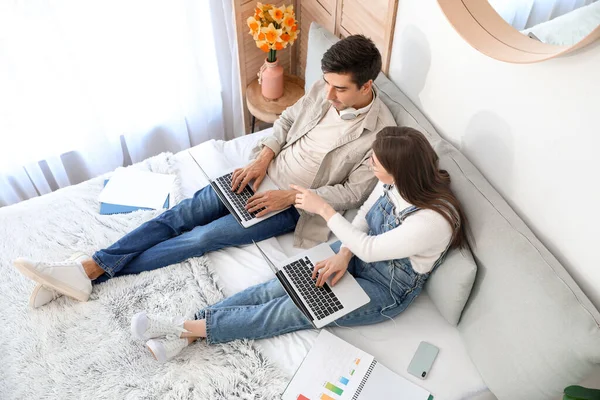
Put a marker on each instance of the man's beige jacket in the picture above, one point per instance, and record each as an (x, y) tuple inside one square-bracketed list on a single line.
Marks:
[(344, 178)]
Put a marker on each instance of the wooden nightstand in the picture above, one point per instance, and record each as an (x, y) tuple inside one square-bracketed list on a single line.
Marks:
[(269, 110)]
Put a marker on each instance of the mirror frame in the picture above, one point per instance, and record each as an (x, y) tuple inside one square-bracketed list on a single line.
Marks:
[(484, 29)]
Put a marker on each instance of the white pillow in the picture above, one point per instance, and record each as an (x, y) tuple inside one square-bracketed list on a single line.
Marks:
[(319, 40)]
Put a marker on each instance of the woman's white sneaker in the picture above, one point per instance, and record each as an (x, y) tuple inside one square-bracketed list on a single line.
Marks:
[(144, 326), (167, 348)]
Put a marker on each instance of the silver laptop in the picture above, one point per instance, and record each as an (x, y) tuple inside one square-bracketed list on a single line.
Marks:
[(236, 203), (321, 305)]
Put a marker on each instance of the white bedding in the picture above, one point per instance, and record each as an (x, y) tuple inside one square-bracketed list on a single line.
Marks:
[(453, 375)]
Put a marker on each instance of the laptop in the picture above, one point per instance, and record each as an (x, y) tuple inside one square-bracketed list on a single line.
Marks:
[(235, 202), (321, 305)]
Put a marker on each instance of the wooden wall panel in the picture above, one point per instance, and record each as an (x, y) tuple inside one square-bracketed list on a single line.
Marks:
[(372, 18)]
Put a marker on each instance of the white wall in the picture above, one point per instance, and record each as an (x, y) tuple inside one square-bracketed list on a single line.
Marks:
[(532, 130)]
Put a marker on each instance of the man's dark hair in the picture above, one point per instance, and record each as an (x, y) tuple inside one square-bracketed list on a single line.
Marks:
[(355, 55)]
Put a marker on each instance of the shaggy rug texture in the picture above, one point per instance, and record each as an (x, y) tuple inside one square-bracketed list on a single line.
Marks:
[(73, 350)]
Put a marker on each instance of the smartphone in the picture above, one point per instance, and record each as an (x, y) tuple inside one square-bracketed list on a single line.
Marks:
[(421, 363)]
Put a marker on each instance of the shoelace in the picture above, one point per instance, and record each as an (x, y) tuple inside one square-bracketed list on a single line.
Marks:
[(159, 325), (173, 345), (59, 263)]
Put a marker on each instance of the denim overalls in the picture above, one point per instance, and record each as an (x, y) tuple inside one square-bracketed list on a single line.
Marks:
[(265, 310)]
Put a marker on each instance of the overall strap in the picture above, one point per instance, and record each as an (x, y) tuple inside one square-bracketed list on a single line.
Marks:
[(406, 212)]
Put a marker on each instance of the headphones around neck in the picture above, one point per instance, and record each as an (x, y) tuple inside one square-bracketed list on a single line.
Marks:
[(349, 114)]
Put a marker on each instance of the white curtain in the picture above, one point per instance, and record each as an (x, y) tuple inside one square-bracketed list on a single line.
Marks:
[(523, 14), (89, 85)]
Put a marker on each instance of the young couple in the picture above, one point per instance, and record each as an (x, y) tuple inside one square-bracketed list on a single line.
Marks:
[(337, 142)]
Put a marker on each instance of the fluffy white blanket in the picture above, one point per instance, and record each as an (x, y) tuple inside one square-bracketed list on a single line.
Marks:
[(69, 350)]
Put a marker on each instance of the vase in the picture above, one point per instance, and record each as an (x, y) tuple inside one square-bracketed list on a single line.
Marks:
[(270, 78)]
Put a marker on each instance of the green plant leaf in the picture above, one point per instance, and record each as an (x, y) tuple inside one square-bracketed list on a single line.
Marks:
[(580, 393)]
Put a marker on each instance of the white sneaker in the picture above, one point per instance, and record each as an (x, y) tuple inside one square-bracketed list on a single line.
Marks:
[(67, 277), (167, 348), (42, 295), (144, 326)]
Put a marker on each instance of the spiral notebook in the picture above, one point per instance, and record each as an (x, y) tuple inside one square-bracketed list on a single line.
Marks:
[(333, 369)]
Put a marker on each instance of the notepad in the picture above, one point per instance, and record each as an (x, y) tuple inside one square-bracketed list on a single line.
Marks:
[(130, 190), (108, 209), (334, 369)]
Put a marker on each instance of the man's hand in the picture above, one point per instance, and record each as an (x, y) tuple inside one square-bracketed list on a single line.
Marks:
[(337, 264), (271, 200), (256, 170)]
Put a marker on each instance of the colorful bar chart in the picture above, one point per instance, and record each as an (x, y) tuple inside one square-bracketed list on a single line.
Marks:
[(351, 372), (333, 388), (357, 361), (325, 397), (344, 381)]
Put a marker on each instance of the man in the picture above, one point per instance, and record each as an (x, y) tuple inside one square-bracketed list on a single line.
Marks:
[(322, 142)]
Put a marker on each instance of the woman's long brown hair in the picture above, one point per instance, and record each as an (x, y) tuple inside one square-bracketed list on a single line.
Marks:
[(406, 154)]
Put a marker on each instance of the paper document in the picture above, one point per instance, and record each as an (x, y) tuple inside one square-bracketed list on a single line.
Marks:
[(335, 370), (130, 187)]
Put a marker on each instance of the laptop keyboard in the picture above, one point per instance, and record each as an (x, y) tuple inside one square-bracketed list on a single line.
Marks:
[(321, 300), (238, 201)]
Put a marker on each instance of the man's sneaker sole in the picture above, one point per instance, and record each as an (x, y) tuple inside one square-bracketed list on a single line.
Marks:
[(50, 282)]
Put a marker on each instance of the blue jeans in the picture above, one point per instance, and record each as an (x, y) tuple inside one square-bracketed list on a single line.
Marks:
[(265, 310), (192, 228)]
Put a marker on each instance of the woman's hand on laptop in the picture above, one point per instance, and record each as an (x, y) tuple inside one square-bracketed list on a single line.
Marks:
[(312, 202), (336, 265), (271, 201), (257, 170)]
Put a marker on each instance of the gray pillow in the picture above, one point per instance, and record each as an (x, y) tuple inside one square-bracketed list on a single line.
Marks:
[(450, 285)]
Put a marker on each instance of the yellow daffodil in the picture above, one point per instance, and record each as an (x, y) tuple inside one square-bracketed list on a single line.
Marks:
[(279, 45), (254, 26), (272, 34), (277, 14), (288, 21), (293, 37), (263, 45)]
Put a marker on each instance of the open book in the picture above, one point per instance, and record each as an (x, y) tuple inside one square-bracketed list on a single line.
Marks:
[(335, 370)]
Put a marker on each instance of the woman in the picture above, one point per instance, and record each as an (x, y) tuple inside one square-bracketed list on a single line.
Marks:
[(399, 236)]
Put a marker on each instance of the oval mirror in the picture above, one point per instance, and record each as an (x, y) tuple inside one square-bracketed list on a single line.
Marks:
[(524, 31)]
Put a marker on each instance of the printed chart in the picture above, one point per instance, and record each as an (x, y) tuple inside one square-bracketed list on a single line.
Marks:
[(342, 366)]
